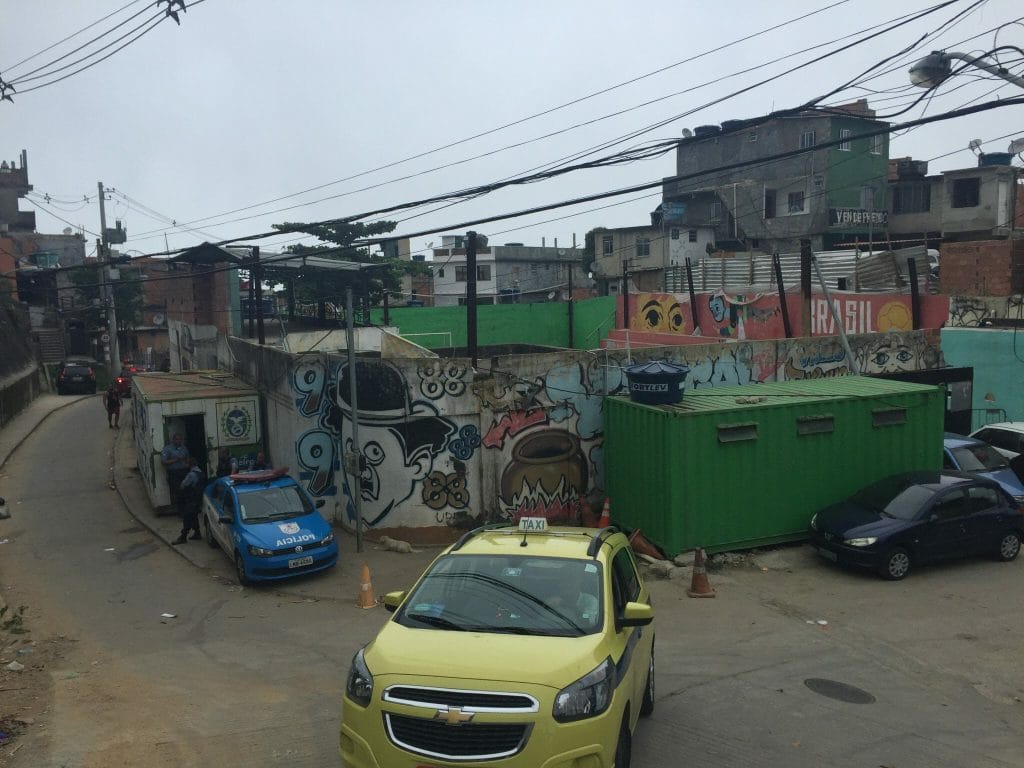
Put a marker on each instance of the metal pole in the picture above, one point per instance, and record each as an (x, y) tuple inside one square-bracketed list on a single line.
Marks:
[(572, 342), (625, 297), (806, 256), (835, 318), (693, 295), (915, 297), (259, 294), (354, 468), (777, 264), (471, 295), (107, 290)]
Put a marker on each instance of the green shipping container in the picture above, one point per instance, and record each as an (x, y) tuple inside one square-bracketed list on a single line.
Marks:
[(737, 467)]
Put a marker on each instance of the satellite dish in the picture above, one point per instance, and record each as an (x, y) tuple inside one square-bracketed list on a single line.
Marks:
[(561, 251), (158, 319), (687, 133), (974, 145), (1016, 147), (551, 295)]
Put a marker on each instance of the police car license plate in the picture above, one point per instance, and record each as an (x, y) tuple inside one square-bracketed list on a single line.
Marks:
[(300, 561)]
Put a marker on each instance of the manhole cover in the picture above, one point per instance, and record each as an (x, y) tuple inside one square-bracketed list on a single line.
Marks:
[(839, 691)]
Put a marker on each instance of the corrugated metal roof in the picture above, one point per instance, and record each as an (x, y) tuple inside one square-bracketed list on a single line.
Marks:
[(193, 385), (788, 393)]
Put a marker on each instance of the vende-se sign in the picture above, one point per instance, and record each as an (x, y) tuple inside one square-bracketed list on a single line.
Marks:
[(856, 217)]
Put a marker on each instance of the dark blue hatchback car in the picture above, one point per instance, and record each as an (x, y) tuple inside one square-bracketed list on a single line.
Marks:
[(268, 525), (918, 517)]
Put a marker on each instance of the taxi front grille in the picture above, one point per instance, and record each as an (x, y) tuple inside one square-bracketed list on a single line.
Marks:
[(476, 700), (469, 741)]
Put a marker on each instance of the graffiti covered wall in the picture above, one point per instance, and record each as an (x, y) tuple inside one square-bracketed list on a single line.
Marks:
[(753, 316), (443, 447)]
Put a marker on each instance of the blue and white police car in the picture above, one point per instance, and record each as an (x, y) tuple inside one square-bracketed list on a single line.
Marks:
[(268, 525)]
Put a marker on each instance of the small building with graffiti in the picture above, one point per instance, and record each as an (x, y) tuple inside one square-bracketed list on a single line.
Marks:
[(209, 409)]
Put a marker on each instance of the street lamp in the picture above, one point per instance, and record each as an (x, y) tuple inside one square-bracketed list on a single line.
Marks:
[(934, 68)]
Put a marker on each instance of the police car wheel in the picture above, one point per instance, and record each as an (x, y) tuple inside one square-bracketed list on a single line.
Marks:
[(243, 579), (212, 542)]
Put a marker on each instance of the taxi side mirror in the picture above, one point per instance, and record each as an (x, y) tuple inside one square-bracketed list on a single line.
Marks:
[(393, 599), (636, 615)]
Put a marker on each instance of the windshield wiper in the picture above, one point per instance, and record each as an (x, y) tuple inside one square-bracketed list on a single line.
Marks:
[(436, 621)]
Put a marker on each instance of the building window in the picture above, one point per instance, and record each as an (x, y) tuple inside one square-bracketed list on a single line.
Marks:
[(769, 203), (692, 235), (674, 233), (877, 144), (715, 212), (440, 272), (752, 137), (460, 274), (911, 198), (845, 145), (966, 192), (643, 246), (483, 272), (867, 198), (807, 140), (795, 202), (607, 247)]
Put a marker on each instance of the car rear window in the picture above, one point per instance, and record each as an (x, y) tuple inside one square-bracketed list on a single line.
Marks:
[(979, 458), (76, 370)]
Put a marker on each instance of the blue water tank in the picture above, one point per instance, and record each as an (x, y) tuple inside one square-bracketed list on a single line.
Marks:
[(657, 382), (994, 158)]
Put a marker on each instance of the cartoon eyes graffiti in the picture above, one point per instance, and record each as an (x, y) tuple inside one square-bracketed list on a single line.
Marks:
[(308, 381), (374, 453), (315, 453), (661, 315), (717, 306), (881, 357)]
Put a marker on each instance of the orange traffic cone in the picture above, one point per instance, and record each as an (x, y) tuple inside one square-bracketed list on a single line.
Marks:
[(643, 546), (606, 513), (699, 585), (366, 599)]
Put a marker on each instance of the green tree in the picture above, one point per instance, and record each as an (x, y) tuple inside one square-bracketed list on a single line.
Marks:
[(338, 242), (128, 297)]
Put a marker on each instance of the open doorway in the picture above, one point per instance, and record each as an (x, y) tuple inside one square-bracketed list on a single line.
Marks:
[(193, 432)]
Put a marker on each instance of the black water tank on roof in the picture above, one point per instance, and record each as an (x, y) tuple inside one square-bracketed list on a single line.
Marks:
[(733, 125), (702, 131), (656, 382)]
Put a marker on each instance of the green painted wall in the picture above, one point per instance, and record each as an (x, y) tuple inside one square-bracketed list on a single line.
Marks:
[(545, 324), (997, 356), (848, 171)]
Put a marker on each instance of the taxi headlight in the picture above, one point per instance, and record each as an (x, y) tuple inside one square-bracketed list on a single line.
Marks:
[(587, 697), (260, 551), (866, 541), (359, 686)]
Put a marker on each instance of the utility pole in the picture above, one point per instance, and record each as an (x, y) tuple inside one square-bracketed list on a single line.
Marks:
[(107, 289)]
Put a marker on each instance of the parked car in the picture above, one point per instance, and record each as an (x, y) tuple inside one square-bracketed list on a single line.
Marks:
[(1007, 437), (76, 378), (524, 646), (268, 526), (975, 457), (913, 518)]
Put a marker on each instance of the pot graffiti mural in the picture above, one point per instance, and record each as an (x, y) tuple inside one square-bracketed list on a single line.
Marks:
[(547, 477)]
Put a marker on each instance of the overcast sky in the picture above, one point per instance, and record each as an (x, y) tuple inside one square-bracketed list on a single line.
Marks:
[(250, 101)]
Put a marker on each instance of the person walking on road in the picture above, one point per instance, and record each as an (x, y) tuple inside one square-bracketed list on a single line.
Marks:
[(174, 457), (112, 402), (189, 497)]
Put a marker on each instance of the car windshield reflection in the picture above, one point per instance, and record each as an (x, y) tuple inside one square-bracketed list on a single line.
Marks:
[(893, 497), (979, 458), (263, 504), (507, 595)]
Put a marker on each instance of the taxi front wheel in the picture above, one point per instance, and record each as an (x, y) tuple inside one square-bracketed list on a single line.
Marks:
[(624, 747)]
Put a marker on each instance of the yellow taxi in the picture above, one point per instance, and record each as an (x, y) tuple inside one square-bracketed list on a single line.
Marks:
[(526, 646)]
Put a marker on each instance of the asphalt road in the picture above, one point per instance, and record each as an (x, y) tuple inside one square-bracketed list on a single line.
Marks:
[(926, 672)]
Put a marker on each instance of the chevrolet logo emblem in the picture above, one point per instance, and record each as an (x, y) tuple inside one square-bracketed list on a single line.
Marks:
[(454, 716)]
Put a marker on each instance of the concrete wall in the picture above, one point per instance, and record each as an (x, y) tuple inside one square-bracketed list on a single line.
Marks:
[(446, 447), (21, 378), (997, 356)]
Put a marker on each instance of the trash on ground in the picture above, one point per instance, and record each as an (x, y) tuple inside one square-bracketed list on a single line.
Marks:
[(169, 615), (15, 667)]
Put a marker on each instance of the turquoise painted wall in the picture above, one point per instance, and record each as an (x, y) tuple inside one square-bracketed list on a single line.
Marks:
[(544, 324), (997, 356)]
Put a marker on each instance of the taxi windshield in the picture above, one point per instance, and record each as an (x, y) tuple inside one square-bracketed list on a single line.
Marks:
[(511, 594), (272, 503)]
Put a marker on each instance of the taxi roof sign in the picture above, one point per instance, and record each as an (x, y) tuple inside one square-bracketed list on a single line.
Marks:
[(533, 524)]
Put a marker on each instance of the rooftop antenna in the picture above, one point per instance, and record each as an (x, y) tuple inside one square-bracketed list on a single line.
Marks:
[(974, 145)]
